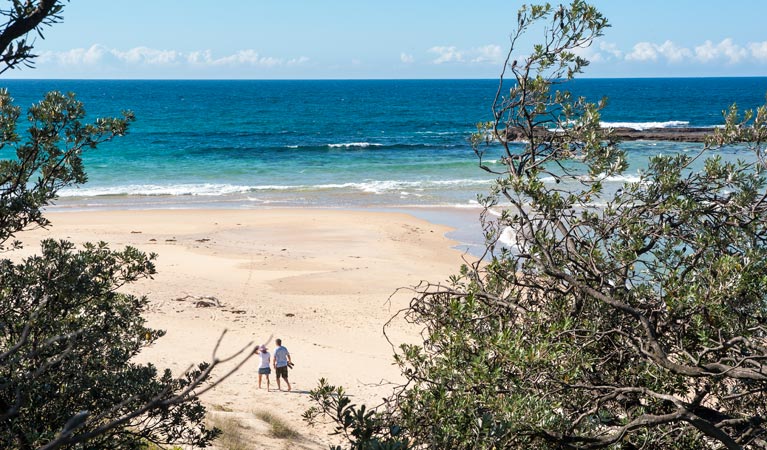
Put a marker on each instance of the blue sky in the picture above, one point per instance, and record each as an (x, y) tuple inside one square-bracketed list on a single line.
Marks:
[(319, 39)]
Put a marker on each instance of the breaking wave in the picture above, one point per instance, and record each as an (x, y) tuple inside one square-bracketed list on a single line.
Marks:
[(641, 126)]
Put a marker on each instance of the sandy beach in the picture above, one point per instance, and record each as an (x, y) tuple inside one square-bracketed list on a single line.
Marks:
[(322, 280)]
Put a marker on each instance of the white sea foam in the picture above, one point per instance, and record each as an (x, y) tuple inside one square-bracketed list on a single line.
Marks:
[(354, 144), (459, 182), (379, 187), (624, 178), (613, 179), (156, 190), (441, 133), (211, 189), (469, 205), (508, 238), (641, 126), (386, 186)]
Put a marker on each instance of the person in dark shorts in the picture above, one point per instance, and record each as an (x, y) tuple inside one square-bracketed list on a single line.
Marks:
[(264, 369), (281, 362)]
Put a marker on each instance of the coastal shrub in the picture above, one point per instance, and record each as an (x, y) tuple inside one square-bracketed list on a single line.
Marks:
[(361, 427), (68, 336), (633, 319)]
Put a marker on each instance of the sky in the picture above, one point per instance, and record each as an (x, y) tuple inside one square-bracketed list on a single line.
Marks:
[(391, 39)]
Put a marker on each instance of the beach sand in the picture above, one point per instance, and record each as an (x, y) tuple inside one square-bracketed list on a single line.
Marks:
[(322, 280)]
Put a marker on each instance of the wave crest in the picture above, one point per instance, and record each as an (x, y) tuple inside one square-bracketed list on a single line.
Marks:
[(354, 144), (211, 189), (641, 126)]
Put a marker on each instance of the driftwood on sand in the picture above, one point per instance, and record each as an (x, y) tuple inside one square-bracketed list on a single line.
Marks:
[(205, 301)]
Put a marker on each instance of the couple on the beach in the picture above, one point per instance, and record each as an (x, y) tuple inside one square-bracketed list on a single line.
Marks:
[(281, 363)]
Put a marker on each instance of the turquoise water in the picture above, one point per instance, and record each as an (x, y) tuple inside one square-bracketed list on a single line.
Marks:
[(335, 143), (349, 144), (296, 143)]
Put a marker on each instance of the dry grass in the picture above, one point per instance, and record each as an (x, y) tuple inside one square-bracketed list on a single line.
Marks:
[(278, 427), (217, 407), (151, 446), (233, 436)]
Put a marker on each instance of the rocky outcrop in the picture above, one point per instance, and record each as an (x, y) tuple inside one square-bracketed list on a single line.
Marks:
[(689, 134), (663, 134)]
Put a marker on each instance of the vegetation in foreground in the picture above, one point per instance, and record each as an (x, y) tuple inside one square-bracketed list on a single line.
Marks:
[(641, 323), (278, 427), (233, 433), (67, 336)]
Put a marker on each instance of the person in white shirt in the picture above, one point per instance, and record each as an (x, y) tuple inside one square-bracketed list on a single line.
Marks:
[(264, 369)]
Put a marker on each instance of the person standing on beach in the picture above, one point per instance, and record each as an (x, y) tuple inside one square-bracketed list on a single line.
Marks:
[(264, 369), (281, 361)]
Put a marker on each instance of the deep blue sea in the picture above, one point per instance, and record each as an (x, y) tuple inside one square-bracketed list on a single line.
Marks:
[(347, 144)]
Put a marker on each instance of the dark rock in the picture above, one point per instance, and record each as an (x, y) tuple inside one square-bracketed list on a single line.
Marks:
[(687, 134)]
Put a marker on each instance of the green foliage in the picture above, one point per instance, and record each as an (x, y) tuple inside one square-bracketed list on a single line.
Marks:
[(362, 428), (48, 159), (641, 323), (21, 18), (72, 338), (67, 336)]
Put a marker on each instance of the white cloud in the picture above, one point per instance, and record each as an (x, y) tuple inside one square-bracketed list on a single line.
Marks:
[(643, 51), (706, 52), (200, 57), (406, 58), (601, 53), (725, 52), (447, 54), (611, 49), (145, 55), (647, 51), (489, 53), (241, 58), (98, 54), (76, 56), (588, 53), (673, 53), (297, 61), (244, 57), (758, 50), (486, 54), (726, 49)]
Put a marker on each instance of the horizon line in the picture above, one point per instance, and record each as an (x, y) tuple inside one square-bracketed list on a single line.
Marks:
[(375, 79)]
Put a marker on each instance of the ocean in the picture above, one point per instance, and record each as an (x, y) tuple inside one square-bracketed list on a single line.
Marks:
[(373, 144)]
